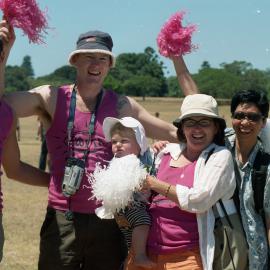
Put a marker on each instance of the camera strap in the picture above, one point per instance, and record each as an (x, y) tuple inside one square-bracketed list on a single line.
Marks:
[(71, 118), (72, 107)]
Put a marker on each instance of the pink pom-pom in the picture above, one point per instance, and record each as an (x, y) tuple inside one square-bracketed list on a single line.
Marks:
[(25, 14), (175, 39)]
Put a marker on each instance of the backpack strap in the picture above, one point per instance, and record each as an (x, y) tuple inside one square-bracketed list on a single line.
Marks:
[(238, 180), (259, 173), (225, 213)]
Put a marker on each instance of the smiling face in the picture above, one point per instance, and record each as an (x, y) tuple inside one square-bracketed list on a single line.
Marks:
[(247, 128), (199, 132), (92, 68)]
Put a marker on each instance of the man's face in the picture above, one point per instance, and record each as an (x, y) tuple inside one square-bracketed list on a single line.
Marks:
[(247, 122), (92, 68)]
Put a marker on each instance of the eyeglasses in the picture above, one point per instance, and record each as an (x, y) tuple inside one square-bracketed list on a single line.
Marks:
[(201, 123), (250, 116)]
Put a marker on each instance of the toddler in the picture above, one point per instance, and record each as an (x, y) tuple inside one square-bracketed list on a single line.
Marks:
[(127, 136)]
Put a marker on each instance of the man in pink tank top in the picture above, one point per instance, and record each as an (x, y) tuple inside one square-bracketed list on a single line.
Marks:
[(72, 236)]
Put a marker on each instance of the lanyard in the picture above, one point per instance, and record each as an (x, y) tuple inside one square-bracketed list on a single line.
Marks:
[(71, 118)]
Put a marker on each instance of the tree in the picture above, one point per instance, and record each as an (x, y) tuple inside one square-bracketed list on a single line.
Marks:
[(255, 79), (267, 75), (173, 87), (225, 81), (205, 64), (141, 85), (217, 82), (16, 79), (250, 78), (111, 82), (237, 67), (27, 66), (139, 71), (142, 74), (61, 76), (65, 72)]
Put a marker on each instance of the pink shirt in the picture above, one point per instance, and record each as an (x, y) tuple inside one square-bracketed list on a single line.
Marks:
[(172, 229), (100, 150), (6, 119)]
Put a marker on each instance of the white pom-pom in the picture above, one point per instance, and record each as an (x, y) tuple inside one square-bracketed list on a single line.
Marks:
[(114, 185)]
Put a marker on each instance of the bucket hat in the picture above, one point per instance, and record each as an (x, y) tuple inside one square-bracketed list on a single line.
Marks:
[(93, 42), (199, 105)]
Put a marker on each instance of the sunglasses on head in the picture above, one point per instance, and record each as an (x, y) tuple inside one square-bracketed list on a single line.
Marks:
[(251, 116)]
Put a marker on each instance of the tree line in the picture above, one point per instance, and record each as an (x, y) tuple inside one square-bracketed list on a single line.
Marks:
[(143, 74)]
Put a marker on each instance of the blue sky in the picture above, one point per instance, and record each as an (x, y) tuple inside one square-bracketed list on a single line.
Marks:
[(228, 30)]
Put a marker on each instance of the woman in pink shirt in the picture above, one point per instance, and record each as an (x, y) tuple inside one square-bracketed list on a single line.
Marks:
[(191, 178)]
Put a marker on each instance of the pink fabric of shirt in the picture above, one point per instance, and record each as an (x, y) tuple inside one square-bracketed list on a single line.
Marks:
[(172, 229), (6, 119), (100, 150)]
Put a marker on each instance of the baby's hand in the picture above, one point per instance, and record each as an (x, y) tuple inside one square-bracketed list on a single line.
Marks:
[(159, 145)]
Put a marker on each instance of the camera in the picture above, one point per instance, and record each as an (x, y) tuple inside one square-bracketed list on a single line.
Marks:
[(73, 175)]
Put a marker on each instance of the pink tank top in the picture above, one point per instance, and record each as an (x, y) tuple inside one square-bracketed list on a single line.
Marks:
[(172, 229), (100, 150), (6, 119)]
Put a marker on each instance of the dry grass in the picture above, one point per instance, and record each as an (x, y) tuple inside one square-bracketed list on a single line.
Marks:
[(24, 206)]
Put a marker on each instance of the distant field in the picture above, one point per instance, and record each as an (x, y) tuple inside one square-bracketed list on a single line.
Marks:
[(24, 206), (169, 108)]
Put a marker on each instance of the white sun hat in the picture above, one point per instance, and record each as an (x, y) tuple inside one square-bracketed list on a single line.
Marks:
[(128, 122), (199, 105)]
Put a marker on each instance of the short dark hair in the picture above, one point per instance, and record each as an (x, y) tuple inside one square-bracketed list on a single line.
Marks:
[(258, 98), (218, 139)]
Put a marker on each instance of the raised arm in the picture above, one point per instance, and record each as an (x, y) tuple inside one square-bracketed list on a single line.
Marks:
[(184, 78), (7, 37), (38, 101), (18, 170)]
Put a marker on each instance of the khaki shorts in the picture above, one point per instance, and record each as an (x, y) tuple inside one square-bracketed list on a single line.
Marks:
[(86, 242)]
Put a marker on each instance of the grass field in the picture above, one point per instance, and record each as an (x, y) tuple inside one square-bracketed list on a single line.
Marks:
[(24, 206)]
